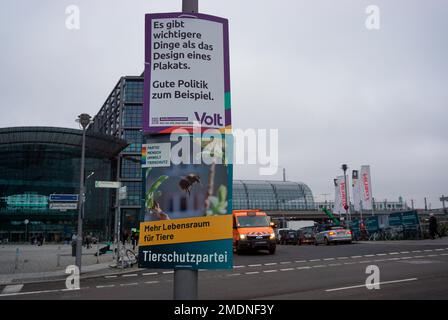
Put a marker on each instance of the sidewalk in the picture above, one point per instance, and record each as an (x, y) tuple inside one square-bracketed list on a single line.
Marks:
[(35, 264)]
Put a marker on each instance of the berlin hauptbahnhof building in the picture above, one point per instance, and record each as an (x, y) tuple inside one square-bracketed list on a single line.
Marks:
[(36, 162)]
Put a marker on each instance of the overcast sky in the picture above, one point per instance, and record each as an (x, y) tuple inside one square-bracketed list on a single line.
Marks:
[(337, 92)]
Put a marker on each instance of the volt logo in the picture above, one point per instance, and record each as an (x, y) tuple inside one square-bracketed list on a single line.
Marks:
[(210, 120)]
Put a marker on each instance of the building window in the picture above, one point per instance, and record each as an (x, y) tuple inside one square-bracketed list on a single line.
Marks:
[(135, 138), (132, 116), (134, 193), (133, 91), (131, 168)]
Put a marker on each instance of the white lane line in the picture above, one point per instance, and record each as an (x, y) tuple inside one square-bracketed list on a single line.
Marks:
[(314, 260), (355, 257), (418, 257), (301, 268), (365, 261), (373, 284), (380, 260), (106, 286), (236, 267), (334, 264), (431, 255), (255, 265), (108, 277), (167, 272), (319, 266), (381, 254), (129, 275), (285, 262), (234, 274), (287, 269), (394, 252), (270, 264), (439, 249), (252, 272), (417, 251), (151, 282), (269, 271), (328, 259), (150, 273), (427, 250), (14, 288), (342, 258), (349, 262), (444, 254), (300, 261), (128, 284), (27, 293), (404, 252), (405, 258), (369, 255)]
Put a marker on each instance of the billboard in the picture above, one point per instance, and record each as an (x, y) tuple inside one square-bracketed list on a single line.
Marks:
[(187, 202), (187, 77), (366, 188)]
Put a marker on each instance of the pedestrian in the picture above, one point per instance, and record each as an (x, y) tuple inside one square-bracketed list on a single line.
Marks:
[(88, 241), (433, 227)]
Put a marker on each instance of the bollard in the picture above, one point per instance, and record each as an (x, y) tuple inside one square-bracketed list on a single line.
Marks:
[(16, 267), (58, 255), (97, 253)]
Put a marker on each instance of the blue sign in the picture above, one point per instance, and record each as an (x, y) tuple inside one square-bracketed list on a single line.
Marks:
[(63, 198)]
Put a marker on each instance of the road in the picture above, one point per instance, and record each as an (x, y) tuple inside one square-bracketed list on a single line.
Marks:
[(408, 270)]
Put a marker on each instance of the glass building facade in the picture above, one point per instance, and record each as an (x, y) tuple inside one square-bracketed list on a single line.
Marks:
[(36, 162)]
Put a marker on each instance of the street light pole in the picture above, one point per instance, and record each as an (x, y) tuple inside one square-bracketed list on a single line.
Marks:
[(84, 120), (346, 207), (185, 280)]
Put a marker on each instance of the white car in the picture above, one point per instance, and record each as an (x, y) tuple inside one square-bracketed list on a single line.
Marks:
[(334, 235)]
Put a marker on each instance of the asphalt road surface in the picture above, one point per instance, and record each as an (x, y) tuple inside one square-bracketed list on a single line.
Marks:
[(408, 270)]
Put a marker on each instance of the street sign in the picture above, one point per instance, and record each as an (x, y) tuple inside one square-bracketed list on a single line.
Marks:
[(107, 184), (63, 198), (187, 77), (64, 206)]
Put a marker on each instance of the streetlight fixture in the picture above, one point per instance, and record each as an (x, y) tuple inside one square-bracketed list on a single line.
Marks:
[(84, 120), (346, 206)]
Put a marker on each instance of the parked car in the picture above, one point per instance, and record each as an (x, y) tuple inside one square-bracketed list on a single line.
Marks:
[(288, 236), (306, 235), (333, 235)]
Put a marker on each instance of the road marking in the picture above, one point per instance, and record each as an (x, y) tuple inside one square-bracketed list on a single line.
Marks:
[(236, 267), (334, 264), (381, 254), (404, 258), (167, 272), (15, 288), (365, 261), (369, 255), (394, 252), (300, 261), (439, 249), (444, 254), (417, 251), (380, 260), (108, 277), (269, 271), (27, 293), (342, 258), (349, 262), (404, 252), (287, 269), (319, 266), (106, 286), (150, 273), (419, 257), (129, 275), (328, 259), (300, 268), (234, 274), (314, 260), (270, 263), (255, 265), (427, 250), (373, 284), (355, 257), (252, 272), (151, 282), (431, 255), (128, 284), (285, 262)]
